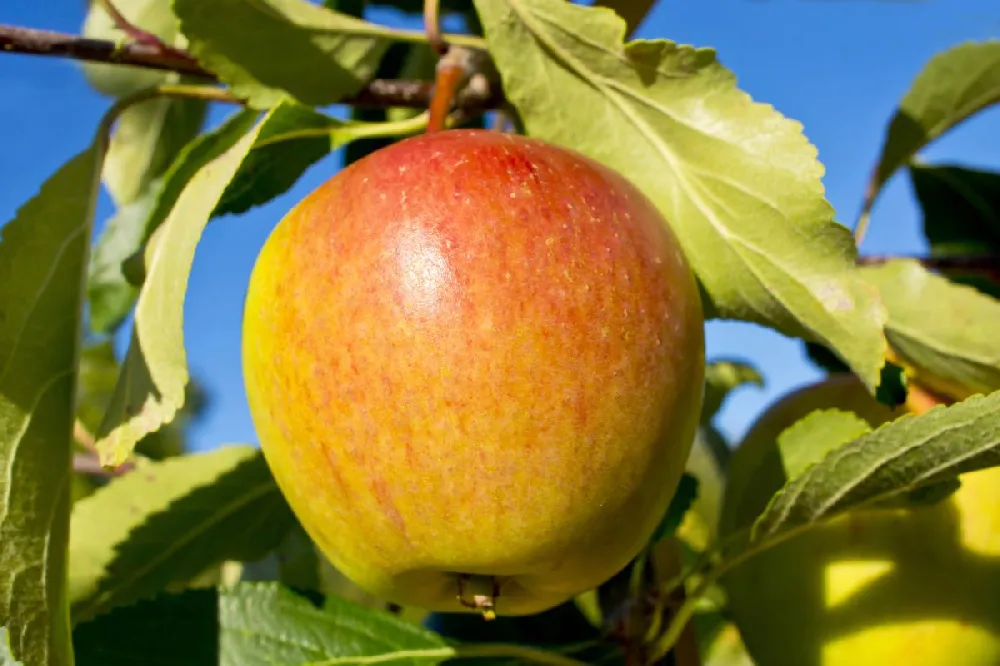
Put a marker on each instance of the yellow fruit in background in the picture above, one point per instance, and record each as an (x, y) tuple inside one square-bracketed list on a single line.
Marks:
[(915, 586), (475, 361)]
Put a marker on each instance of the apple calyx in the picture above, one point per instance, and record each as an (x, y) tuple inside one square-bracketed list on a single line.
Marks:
[(484, 591)]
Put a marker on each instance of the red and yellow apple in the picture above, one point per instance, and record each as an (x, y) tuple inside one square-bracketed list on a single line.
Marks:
[(475, 362), (918, 585)]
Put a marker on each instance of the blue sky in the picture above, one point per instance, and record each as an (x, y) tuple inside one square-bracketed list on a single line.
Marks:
[(837, 66)]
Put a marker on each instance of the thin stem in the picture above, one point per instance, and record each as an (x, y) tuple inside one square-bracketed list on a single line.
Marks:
[(139, 35), (84, 437), (358, 130), (85, 463), (519, 652), (454, 70), (467, 651), (194, 91), (432, 26)]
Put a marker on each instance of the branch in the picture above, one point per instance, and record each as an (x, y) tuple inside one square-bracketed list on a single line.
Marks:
[(963, 262), (47, 43), (377, 93), (985, 266)]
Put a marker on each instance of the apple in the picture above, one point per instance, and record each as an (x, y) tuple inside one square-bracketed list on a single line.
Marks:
[(475, 364), (918, 585)]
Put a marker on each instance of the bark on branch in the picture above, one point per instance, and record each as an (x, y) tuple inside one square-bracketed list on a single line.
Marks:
[(958, 262), (377, 93)]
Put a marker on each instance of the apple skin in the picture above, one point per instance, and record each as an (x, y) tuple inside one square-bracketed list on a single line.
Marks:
[(475, 353), (915, 586)]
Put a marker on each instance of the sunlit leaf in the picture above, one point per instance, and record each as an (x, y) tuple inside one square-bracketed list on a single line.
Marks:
[(947, 331), (902, 455), (739, 184), (154, 376)]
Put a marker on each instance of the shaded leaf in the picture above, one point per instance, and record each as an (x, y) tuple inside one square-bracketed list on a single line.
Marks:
[(43, 255), (147, 137), (824, 359), (324, 55), (563, 629), (153, 379), (902, 455), (111, 295), (953, 85), (809, 439), (945, 330), (252, 624), (739, 183), (961, 208), (721, 378), (632, 11), (170, 630), (166, 522), (291, 139)]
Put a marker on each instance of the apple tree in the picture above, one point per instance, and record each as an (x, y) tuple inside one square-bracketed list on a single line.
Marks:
[(858, 522)]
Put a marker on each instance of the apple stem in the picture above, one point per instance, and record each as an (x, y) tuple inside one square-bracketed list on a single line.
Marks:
[(484, 591), (452, 69), (446, 77)]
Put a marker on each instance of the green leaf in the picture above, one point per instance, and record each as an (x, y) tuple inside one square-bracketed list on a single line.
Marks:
[(809, 439), (945, 330), (900, 456), (147, 137), (166, 522), (324, 56), (153, 16), (111, 295), (739, 184), (684, 498), (953, 86), (721, 379), (43, 256), (961, 208), (266, 624), (6, 656), (152, 384)]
